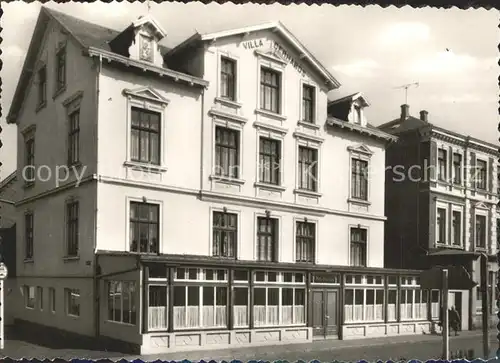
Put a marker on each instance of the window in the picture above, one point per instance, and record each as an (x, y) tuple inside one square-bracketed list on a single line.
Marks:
[(359, 175), (74, 138), (42, 86), (392, 304), (308, 168), (270, 90), (357, 114), (39, 296), (72, 216), (28, 235), (269, 161), (72, 298), (267, 239), (413, 304), (364, 303), (157, 309), (29, 297), (358, 246), (228, 79), (308, 103), (480, 231), (305, 241), (121, 302), (225, 234), (226, 152), (61, 68), (457, 168), (29, 164), (442, 165), (481, 174), (457, 228), (435, 304), (52, 299), (144, 227), (441, 225), (145, 136)]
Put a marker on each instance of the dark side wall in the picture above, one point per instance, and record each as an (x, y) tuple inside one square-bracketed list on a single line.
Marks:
[(8, 248)]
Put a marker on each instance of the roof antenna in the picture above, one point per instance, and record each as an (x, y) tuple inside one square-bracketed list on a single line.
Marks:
[(406, 86), (148, 5)]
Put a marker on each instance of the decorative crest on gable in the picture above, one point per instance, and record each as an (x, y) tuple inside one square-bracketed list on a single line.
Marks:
[(146, 93), (272, 55), (362, 149)]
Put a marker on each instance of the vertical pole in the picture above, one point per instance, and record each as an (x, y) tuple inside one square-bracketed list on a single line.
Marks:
[(485, 303), (2, 332), (446, 338)]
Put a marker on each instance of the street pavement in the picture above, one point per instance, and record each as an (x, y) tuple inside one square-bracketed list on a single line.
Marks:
[(421, 347)]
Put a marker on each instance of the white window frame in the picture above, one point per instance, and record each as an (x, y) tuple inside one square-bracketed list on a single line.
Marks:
[(69, 200), (67, 301), (365, 286), (52, 300), (314, 123), (350, 226), (443, 206), (462, 171), (278, 66), (131, 296), (460, 210), (279, 257), (148, 99), (312, 142), (487, 176), (271, 133), (27, 293), (236, 126), (316, 234), (237, 101), (39, 297), (128, 201), (361, 152), (483, 213), (238, 232)]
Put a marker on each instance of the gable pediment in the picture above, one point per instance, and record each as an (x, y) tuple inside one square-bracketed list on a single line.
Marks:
[(481, 205), (272, 55), (146, 93), (361, 149)]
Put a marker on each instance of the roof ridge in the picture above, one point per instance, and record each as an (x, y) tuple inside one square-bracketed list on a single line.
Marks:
[(52, 11)]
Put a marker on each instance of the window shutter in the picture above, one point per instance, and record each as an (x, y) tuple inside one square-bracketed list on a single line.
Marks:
[(433, 161), (490, 175), (472, 173)]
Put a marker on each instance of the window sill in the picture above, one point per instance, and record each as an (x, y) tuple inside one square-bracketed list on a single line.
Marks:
[(40, 106), (445, 245), (28, 185), (228, 102), (359, 201), (307, 193), (308, 125), (227, 180), (28, 260), (270, 114), (119, 322), (73, 316), (145, 167), (274, 187), (59, 91), (71, 258)]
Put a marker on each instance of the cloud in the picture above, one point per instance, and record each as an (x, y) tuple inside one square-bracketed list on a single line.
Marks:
[(404, 33), (358, 68), (448, 62)]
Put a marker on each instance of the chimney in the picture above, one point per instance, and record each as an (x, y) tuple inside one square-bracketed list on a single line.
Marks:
[(423, 115), (405, 112)]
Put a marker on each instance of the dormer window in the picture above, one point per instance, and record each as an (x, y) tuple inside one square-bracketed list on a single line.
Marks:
[(146, 48), (357, 114)]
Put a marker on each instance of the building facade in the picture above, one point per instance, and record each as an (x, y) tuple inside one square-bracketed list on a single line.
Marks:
[(441, 197), (209, 194)]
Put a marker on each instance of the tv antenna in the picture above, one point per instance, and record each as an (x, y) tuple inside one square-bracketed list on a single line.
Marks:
[(148, 5), (406, 86)]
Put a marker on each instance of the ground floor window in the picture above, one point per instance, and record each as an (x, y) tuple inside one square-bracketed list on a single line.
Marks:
[(435, 304), (157, 308), (240, 307), (72, 301), (39, 294), (279, 306), (413, 304), (392, 304), (121, 302), (364, 304), (29, 297), (52, 299)]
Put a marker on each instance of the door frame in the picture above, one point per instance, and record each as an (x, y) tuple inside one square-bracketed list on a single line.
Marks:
[(324, 291)]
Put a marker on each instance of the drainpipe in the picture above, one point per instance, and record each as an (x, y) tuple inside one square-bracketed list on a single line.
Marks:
[(202, 133)]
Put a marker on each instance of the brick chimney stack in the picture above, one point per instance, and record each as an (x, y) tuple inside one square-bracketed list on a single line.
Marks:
[(423, 115), (405, 112)]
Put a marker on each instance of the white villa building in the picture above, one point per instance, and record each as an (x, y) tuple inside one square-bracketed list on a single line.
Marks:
[(215, 197)]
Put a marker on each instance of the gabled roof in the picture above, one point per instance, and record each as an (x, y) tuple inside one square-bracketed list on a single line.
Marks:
[(8, 180), (351, 98), (161, 33), (273, 26), (340, 108), (86, 35), (362, 130)]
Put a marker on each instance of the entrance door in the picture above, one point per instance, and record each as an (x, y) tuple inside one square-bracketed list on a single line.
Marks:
[(325, 313)]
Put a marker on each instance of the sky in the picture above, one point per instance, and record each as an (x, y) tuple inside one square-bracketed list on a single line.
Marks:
[(452, 53)]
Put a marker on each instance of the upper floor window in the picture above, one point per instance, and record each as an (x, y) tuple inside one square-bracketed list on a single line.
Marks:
[(270, 90), (441, 225), (144, 227), (269, 160), (226, 152), (480, 231), (305, 241), (61, 68), (267, 239), (481, 174), (29, 164), (358, 246), (359, 179), (357, 114), (42, 86), (457, 168), (457, 228), (28, 235), (225, 234), (442, 164), (74, 138), (145, 145), (228, 79), (146, 48), (72, 217), (308, 103), (308, 168)]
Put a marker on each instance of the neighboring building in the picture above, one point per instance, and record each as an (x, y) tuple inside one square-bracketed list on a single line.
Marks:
[(443, 211), (210, 200)]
